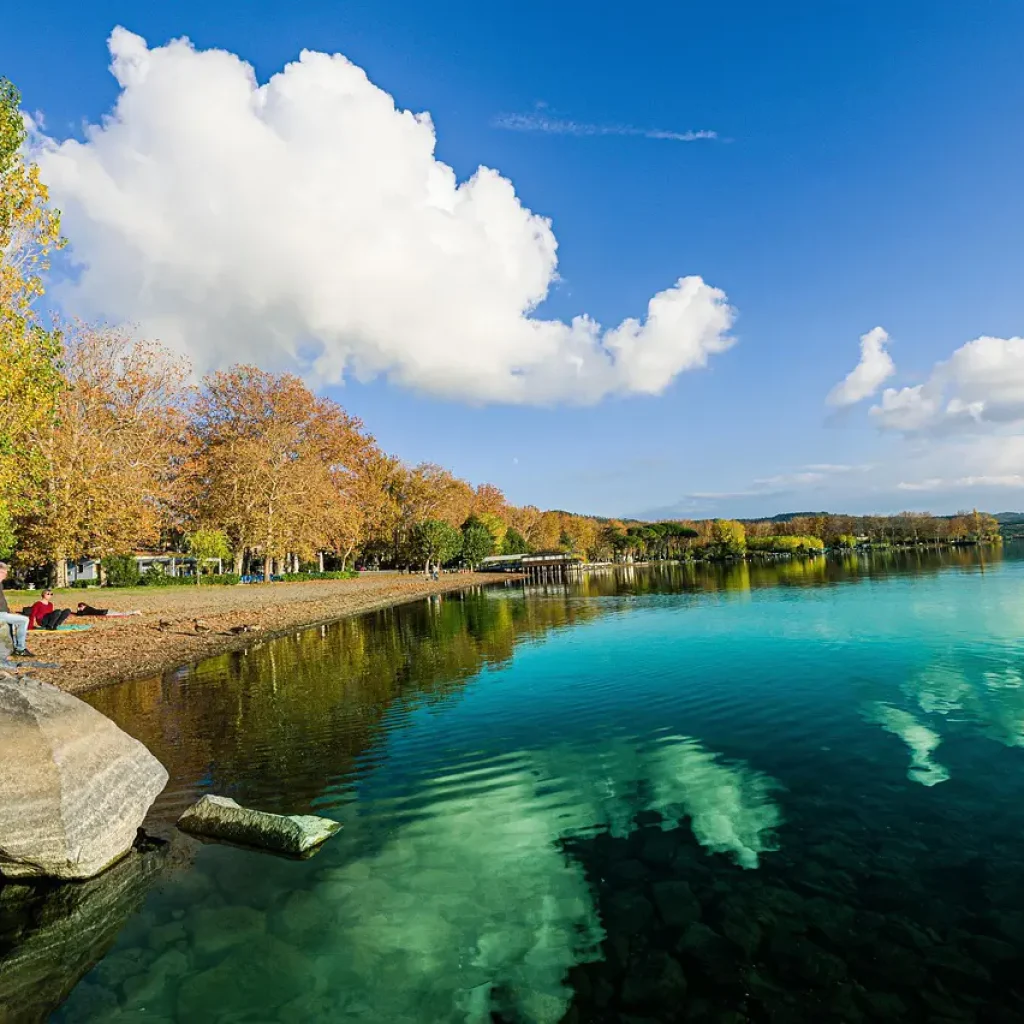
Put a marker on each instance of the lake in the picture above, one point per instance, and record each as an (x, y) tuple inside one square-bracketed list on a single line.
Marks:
[(776, 792)]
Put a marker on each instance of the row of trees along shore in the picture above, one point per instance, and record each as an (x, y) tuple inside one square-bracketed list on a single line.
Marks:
[(107, 447)]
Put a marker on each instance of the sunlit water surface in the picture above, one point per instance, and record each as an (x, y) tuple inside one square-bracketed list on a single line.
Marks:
[(772, 793)]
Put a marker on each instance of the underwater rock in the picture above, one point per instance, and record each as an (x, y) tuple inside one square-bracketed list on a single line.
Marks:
[(743, 933), (992, 950), (676, 903), (655, 982), (659, 849), (74, 788), (266, 973), (883, 1005), (219, 817), (304, 912), (710, 952), (798, 958), (217, 929), (627, 872), (628, 912)]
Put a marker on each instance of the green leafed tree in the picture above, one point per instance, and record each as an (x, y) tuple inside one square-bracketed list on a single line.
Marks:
[(477, 542), (436, 542), (729, 537), (205, 545), (514, 543)]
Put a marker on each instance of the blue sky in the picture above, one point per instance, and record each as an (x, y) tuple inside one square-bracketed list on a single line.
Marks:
[(866, 172)]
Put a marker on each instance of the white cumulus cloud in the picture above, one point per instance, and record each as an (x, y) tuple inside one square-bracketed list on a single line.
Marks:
[(307, 224), (866, 377), (981, 385)]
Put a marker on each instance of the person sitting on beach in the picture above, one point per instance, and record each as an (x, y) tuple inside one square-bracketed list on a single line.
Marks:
[(18, 623), (110, 613), (42, 615)]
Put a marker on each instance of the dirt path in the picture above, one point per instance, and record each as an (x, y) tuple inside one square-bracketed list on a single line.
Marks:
[(166, 636)]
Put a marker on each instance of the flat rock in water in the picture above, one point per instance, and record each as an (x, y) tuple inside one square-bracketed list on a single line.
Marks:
[(219, 817), (74, 788)]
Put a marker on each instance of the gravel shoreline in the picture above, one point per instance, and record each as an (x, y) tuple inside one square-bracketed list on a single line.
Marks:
[(164, 637)]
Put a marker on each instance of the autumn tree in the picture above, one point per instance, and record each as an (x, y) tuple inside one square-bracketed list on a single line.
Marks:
[(29, 354), (524, 520), (367, 509), (547, 532), (579, 535), (489, 500), (112, 456), (269, 464)]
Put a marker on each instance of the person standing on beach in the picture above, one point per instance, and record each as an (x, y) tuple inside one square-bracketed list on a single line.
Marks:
[(18, 623)]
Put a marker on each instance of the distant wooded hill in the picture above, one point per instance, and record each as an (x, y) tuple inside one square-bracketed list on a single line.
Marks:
[(1011, 524)]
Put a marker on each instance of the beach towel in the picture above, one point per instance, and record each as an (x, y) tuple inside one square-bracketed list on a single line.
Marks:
[(69, 627)]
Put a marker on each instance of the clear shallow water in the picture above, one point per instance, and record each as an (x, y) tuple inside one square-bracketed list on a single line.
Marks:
[(785, 792)]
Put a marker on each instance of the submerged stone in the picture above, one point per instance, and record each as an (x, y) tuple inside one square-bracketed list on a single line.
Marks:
[(217, 929), (676, 903), (655, 982), (799, 958), (628, 912), (219, 817), (267, 974), (710, 952)]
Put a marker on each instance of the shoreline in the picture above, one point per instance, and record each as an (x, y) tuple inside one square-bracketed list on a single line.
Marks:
[(164, 638)]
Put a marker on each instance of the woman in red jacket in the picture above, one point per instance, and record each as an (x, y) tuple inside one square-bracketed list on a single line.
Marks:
[(43, 615)]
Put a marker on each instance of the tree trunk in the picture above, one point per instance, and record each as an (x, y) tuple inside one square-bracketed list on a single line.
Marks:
[(239, 557), (267, 566), (60, 572), (345, 557), (320, 561)]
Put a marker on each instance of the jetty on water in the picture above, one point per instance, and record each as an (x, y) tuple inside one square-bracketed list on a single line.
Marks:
[(544, 567)]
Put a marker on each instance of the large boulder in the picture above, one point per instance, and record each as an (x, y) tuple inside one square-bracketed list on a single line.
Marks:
[(219, 817), (74, 788)]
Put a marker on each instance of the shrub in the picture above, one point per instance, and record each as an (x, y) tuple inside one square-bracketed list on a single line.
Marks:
[(305, 577), (225, 579), (154, 576), (121, 571), (787, 545)]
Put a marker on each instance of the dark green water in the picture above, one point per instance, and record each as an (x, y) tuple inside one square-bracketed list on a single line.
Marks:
[(791, 792)]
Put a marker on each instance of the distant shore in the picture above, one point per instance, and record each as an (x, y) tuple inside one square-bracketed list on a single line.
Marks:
[(164, 637)]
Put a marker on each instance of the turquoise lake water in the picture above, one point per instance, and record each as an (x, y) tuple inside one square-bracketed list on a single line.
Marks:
[(791, 792)]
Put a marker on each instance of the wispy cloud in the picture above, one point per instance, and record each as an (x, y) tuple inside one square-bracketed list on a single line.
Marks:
[(816, 474), (546, 125), (937, 483)]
